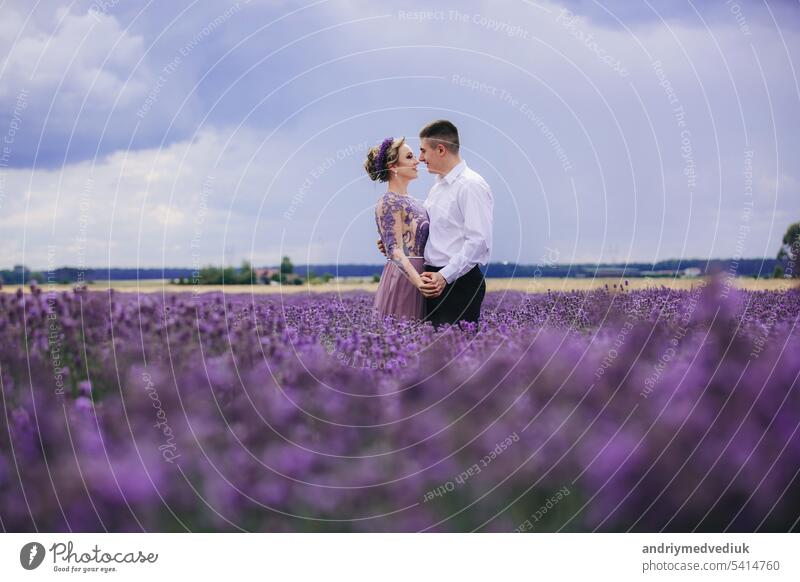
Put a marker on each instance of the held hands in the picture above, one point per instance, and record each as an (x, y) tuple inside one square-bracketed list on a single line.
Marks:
[(433, 284)]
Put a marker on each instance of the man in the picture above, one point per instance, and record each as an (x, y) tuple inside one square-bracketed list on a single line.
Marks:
[(459, 206)]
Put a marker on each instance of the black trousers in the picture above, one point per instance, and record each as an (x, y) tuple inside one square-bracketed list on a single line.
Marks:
[(460, 301)]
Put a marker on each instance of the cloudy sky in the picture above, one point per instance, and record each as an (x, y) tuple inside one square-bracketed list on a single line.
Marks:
[(181, 133)]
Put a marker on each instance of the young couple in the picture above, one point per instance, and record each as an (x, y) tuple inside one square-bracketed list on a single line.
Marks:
[(433, 248)]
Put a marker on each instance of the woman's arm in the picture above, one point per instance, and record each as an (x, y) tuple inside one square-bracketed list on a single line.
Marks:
[(389, 214)]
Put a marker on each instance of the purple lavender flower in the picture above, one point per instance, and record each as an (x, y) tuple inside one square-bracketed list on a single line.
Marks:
[(654, 409)]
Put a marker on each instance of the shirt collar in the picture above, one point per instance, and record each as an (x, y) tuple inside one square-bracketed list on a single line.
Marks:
[(457, 170)]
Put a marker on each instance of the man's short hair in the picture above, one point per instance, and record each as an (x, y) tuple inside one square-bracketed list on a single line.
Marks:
[(443, 132)]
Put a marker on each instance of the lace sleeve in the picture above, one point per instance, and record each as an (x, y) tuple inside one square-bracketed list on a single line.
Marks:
[(389, 216)]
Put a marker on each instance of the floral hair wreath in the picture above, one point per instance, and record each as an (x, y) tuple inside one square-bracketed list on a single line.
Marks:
[(380, 159)]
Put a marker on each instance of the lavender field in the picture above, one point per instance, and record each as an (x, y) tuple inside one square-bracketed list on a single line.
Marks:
[(607, 410)]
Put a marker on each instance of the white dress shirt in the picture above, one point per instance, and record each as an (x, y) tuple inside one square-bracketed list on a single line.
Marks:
[(460, 208)]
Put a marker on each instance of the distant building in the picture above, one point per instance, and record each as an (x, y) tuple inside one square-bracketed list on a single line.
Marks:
[(692, 272), (264, 275), (271, 276), (292, 277)]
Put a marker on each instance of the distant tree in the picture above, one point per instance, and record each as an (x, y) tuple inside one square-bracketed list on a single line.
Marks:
[(229, 276), (778, 272), (286, 266), (789, 253), (210, 275), (246, 274)]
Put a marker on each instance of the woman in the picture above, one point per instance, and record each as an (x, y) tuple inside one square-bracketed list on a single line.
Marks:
[(403, 226)]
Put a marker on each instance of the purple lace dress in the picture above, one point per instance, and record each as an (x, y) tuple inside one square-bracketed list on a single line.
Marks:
[(403, 225)]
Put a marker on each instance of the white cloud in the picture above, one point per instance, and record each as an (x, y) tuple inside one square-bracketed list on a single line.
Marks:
[(593, 112), (143, 207)]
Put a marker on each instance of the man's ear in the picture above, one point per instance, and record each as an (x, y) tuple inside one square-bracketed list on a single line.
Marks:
[(441, 149)]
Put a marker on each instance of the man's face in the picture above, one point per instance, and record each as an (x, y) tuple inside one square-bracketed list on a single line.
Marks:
[(431, 154)]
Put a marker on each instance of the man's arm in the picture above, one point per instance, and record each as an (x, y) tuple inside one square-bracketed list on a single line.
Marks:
[(476, 204)]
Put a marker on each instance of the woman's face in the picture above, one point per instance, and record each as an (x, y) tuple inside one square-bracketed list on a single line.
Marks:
[(406, 165)]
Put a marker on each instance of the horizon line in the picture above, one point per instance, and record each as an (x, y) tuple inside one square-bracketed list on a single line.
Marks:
[(500, 262)]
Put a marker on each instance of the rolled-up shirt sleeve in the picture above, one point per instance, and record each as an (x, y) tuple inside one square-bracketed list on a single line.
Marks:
[(476, 204)]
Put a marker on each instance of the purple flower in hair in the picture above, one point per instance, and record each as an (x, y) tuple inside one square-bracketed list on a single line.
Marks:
[(381, 157)]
